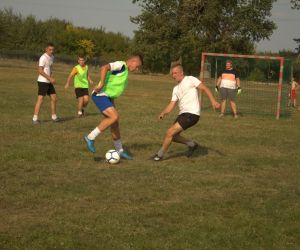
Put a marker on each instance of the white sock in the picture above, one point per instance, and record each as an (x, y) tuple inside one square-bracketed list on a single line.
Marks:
[(80, 112), (118, 145), (160, 152), (190, 143), (35, 118), (94, 134), (54, 116)]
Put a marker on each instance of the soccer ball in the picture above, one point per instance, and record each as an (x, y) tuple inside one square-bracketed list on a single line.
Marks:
[(112, 156)]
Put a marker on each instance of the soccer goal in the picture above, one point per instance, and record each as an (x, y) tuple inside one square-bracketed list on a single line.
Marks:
[(264, 81)]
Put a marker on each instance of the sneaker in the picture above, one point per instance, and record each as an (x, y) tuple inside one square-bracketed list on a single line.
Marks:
[(124, 155), (57, 119), (221, 115), (191, 150), (157, 158), (80, 115), (235, 116), (90, 144), (36, 122)]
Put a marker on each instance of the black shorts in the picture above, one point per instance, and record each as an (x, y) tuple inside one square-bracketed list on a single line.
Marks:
[(187, 120), (80, 92), (45, 88)]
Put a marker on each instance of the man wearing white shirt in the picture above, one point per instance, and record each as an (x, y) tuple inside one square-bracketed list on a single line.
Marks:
[(46, 84), (186, 94)]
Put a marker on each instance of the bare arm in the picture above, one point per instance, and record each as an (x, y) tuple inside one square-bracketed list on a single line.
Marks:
[(219, 81), (42, 73), (238, 82), (167, 109), (68, 80), (103, 71), (214, 103)]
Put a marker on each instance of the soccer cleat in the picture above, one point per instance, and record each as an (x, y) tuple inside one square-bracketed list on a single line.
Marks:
[(36, 122), (157, 158), (57, 119), (221, 115), (124, 155), (192, 150), (235, 116), (90, 144)]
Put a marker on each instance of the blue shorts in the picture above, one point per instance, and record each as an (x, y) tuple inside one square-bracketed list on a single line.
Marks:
[(102, 102)]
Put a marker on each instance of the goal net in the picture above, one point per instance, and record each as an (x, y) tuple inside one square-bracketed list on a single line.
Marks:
[(265, 82)]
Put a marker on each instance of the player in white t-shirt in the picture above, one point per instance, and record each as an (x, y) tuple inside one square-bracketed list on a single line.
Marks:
[(186, 94), (46, 84)]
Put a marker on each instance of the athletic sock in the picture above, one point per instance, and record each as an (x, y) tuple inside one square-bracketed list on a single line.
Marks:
[(160, 153), (80, 112), (35, 118), (54, 117), (94, 134), (118, 145), (190, 143)]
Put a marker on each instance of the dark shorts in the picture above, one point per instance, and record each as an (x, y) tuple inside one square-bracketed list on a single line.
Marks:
[(45, 88), (102, 102), (228, 94), (80, 92), (187, 120)]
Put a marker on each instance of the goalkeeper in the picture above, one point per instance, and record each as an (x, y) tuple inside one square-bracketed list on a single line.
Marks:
[(229, 85)]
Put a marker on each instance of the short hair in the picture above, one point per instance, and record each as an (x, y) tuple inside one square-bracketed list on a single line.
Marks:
[(229, 61), (50, 45), (177, 65), (139, 56), (81, 56)]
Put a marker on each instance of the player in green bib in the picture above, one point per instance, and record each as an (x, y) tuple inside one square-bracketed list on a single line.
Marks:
[(113, 82), (82, 79)]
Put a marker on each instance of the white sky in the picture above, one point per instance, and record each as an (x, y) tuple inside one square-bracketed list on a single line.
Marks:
[(114, 15)]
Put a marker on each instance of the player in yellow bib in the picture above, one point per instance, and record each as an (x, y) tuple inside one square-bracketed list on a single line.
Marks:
[(82, 79), (113, 82)]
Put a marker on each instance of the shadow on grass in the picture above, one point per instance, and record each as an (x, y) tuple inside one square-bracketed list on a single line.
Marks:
[(201, 151), (99, 159), (70, 118)]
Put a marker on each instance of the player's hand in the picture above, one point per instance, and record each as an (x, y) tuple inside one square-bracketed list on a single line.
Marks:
[(239, 90), (52, 80), (66, 86), (216, 88), (97, 90)]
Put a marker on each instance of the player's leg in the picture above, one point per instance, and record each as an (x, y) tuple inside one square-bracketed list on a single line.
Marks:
[(42, 92), (171, 132), (232, 96), (53, 99), (116, 136), (111, 116), (86, 99), (80, 106), (37, 108), (223, 93)]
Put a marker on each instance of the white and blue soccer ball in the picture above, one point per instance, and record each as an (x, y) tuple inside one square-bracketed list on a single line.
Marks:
[(112, 156)]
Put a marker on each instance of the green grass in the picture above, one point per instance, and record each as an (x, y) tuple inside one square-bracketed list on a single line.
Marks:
[(239, 191)]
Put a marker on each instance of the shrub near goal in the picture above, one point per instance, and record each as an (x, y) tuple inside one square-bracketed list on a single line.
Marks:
[(264, 81)]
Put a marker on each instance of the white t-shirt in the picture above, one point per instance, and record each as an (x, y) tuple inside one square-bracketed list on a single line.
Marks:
[(186, 93), (45, 61)]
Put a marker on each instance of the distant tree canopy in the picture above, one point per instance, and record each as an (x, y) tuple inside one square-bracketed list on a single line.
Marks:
[(173, 29), (31, 35)]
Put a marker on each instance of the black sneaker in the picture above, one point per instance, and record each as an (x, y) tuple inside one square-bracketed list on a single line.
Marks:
[(157, 158), (35, 122), (191, 150)]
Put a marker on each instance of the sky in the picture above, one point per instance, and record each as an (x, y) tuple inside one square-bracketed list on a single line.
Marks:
[(113, 15)]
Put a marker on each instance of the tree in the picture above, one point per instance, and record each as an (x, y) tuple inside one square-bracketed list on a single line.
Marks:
[(170, 29), (295, 4)]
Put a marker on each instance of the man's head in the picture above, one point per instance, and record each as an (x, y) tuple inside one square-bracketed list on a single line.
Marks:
[(81, 60), (177, 72), (50, 49), (229, 64), (134, 62)]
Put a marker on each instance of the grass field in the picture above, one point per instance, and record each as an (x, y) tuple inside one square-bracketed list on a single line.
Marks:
[(239, 191)]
